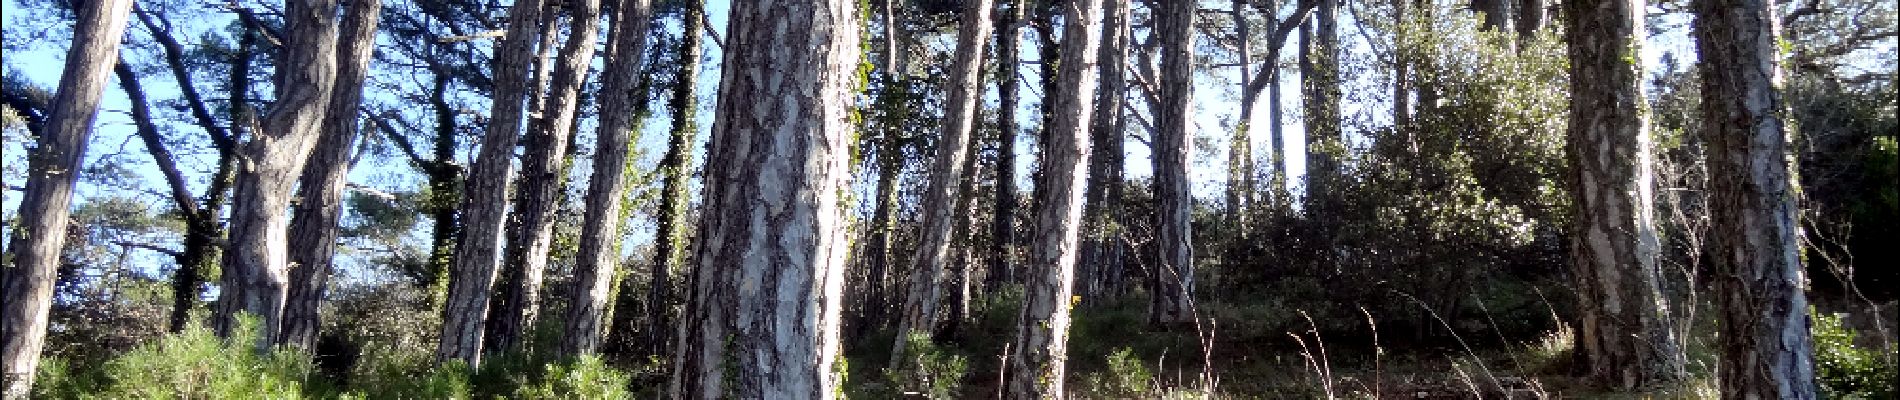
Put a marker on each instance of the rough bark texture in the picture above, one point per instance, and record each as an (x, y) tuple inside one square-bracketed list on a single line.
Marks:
[(1037, 370), (763, 318), (1173, 279), (1765, 345), (944, 191), (257, 265), (1003, 225), (543, 176), (484, 201), (676, 168), (1613, 244), (53, 166), (313, 224), (600, 230)]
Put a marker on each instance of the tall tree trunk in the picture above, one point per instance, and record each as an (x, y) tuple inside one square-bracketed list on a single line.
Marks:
[(1240, 185), (944, 193), (445, 186), (1766, 348), (544, 176), (1173, 279), (257, 266), (770, 249), (675, 168), (1625, 327), (600, 229), (1531, 16), (1103, 210), (53, 169), (890, 164), (1038, 368), (313, 225), (484, 195), (1319, 73), (1003, 226), (1266, 79)]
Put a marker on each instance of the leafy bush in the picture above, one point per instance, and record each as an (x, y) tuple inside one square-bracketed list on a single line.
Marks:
[(390, 373), (584, 378), (193, 364), (929, 369), (1126, 377), (1846, 371)]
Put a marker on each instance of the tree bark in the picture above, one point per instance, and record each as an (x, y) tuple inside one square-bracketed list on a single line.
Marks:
[(770, 249), (1173, 279), (1003, 226), (1240, 169), (944, 192), (1613, 244), (544, 176), (1766, 348), (313, 225), (676, 168), (257, 266), (53, 169), (600, 229), (1531, 17), (1496, 13), (484, 201), (1038, 368)]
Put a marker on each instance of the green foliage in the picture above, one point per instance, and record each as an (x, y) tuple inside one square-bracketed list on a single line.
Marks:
[(194, 364), (1846, 371), (929, 369), (407, 374), (584, 378), (1126, 377)]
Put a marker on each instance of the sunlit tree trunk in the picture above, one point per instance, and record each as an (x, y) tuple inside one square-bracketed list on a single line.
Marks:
[(53, 169), (1240, 169), (257, 265), (762, 321), (484, 194), (1037, 370), (544, 176), (313, 225), (946, 175), (600, 227), (1766, 349), (1613, 244), (1173, 277)]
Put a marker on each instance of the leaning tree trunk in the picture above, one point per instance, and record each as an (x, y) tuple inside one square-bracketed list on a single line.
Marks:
[(1042, 331), (543, 176), (1173, 278), (770, 251), (53, 167), (676, 168), (600, 230), (944, 192), (257, 267), (484, 201), (1625, 329), (1766, 348), (313, 225), (1008, 94)]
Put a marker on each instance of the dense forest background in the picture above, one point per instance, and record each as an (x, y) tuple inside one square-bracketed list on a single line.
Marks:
[(1270, 198)]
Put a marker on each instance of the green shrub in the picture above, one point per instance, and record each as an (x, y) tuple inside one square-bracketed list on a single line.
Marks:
[(1126, 377), (389, 373), (929, 369), (584, 378), (1846, 371), (192, 364)]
